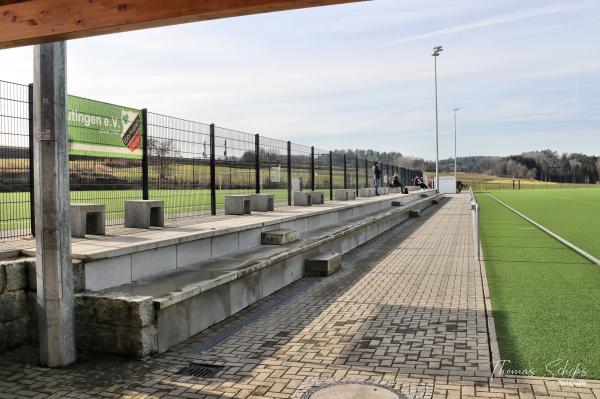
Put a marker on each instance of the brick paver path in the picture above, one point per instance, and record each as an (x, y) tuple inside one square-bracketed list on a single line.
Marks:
[(407, 311)]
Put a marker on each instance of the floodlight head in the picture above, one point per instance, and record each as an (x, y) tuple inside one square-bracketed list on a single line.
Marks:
[(437, 50), (456, 109)]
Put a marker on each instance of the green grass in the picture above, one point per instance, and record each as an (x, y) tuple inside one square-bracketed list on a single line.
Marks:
[(14, 207), (573, 214), (545, 297)]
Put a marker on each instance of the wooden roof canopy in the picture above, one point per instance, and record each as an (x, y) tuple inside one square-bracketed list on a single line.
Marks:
[(26, 22)]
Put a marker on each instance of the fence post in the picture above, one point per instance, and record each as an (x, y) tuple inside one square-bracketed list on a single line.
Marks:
[(345, 174), (145, 182), (330, 176), (213, 174), (387, 172), (31, 170), (366, 173), (257, 162), (312, 168), (289, 172), (356, 175)]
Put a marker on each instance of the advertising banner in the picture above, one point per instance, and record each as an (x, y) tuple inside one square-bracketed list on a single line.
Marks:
[(103, 130)]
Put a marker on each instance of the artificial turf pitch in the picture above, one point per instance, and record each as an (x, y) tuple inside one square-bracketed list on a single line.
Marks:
[(545, 297)]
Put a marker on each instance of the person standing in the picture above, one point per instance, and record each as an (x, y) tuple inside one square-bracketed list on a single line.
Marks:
[(376, 177)]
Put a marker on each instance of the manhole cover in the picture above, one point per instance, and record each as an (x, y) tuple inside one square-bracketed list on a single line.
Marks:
[(352, 390)]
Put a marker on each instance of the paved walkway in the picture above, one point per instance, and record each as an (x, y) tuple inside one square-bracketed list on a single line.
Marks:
[(407, 312)]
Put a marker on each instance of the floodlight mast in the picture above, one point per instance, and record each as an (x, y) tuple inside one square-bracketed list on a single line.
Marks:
[(436, 52), (455, 109)]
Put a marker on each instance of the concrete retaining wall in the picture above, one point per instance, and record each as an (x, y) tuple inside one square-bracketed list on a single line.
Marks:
[(17, 303)]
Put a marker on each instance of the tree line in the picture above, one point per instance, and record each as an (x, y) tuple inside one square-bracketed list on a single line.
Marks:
[(546, 165)]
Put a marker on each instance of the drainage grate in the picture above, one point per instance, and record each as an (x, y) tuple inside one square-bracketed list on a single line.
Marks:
[(200, 370)]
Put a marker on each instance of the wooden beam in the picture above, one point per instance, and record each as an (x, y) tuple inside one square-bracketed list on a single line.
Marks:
[(29, 22)]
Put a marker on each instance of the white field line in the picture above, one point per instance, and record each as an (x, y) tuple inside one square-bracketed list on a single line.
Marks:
[(550, 233)]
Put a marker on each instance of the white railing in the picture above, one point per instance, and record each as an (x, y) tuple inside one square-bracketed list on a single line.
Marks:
[(476, 219)]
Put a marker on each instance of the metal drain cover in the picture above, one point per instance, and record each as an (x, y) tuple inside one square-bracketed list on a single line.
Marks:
[(352, 390), (200, 370)]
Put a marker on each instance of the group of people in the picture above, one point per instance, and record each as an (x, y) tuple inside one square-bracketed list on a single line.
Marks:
[(395, 180)]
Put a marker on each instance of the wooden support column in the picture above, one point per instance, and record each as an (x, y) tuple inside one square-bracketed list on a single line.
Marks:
[(53, 237)]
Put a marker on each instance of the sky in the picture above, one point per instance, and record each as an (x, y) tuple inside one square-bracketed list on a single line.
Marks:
[(525, 74)]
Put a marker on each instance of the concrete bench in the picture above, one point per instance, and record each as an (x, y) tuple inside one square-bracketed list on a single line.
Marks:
[(87, 219), (395, 190), (383, 190), (317, 197), (262, 202), (366, 192), (279, 237), (302, 198), (323, 265), (238, 204), (344, 194), (308, 198), (144, 213), (414, 213)]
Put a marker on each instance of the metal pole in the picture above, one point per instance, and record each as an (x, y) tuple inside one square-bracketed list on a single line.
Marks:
[(213, 174), (330, 176), (455, 109), (145, 182), (345, 174), (257, 162), (366, 173), (437, 154), (31, 167), (312, 168), (289, 172), (356, 175), (55, 298)]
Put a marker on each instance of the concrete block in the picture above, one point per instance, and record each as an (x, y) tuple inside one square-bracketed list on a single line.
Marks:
[(344, 194), (302, 198), (189, 253), (2, 278), (249, 238), (364, 192), (173, 325), (224, 244), (279, 237), (208, 308), (323, 265), (244, 292), (16, 275), (262, 202), (14, 333), (144, 213), (238, 205), (383, 190), (414, 213), (13, 305), (153, 261), (87, 219), (114, 310), (106, 273), (317, 197)]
